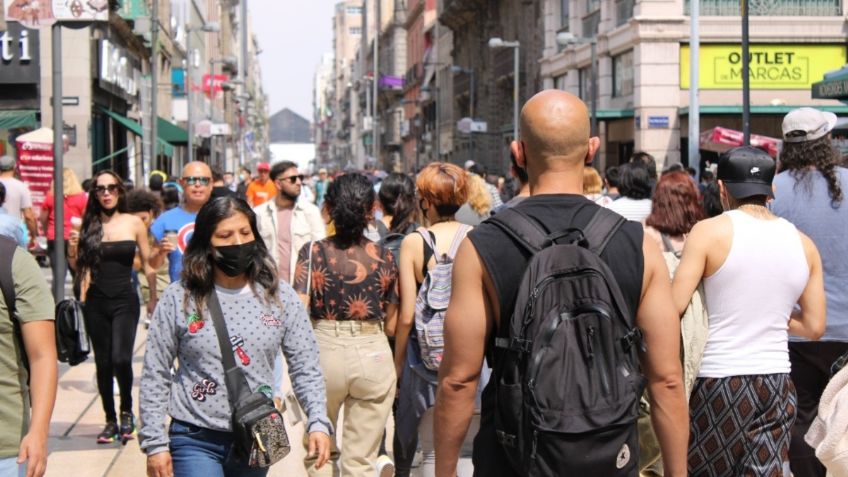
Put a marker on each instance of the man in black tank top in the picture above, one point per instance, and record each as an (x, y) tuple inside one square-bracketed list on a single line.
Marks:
[(554, 147)]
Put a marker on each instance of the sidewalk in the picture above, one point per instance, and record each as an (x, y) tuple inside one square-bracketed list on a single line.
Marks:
[(78, 418)]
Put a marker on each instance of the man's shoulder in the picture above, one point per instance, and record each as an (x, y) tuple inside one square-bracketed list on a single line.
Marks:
[(265, 207)]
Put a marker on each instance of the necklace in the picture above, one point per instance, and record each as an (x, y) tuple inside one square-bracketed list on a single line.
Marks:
[(759, 211)]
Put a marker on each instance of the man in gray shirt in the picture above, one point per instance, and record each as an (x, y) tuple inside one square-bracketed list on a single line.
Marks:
[(18, 198)]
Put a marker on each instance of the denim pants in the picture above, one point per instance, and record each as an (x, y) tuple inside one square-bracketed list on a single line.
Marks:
[(200, 452), (9, 467)]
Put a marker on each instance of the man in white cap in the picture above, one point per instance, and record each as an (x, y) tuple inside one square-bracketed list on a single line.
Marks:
[(18, 198), (810, 193)]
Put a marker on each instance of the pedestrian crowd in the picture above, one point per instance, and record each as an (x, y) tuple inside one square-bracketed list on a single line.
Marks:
[(631, 322)]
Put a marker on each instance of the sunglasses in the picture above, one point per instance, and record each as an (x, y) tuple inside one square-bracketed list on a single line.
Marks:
[(292, 179), (195, 180), (111, 188)]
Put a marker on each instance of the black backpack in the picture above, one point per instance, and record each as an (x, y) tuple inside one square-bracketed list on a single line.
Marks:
[(390, 240), (72, 342), (566, 368)]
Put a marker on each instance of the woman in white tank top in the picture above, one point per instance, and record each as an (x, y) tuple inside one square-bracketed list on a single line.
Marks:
[(755, 268)]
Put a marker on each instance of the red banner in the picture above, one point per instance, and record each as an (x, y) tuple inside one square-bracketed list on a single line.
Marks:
[(35, 164), (214, 84)]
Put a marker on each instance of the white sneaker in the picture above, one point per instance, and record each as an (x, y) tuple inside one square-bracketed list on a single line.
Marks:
[(385, 466)]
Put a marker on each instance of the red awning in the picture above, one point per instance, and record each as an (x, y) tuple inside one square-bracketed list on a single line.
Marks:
[(720, 140)]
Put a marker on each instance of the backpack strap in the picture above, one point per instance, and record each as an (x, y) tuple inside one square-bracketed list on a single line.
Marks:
[(600, 230), (520, 228), (667, 243), (429, 246), (457, 240), (7, 282)]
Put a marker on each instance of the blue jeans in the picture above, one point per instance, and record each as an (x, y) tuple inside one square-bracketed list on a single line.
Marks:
[(200, 452), (9, 467)]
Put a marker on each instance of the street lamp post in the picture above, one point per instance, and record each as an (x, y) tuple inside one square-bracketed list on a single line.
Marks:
[(209, 27), (212, 62), (500, 43), (566, 39), (470, 73)]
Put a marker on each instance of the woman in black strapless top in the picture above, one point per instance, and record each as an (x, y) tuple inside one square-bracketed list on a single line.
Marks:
[(106, 249)]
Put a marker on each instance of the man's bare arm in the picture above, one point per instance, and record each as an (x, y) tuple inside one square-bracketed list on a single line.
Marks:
[(468, 322), (40, 346), (660, 323), (810, 322)]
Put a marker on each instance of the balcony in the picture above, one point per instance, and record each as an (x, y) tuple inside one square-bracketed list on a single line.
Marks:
[(771, 8)]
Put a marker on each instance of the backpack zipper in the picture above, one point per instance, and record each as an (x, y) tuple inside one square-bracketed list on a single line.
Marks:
[(602, 362)]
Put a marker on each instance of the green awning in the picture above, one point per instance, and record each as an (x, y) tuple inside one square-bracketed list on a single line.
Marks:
[(169, 134), (172, 133), (737, 109), (133, 9), (18, 119)]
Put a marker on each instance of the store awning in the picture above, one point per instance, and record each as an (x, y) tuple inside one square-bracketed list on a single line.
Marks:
[(169, 134), (833, 86), (720, 140), (18, 119)]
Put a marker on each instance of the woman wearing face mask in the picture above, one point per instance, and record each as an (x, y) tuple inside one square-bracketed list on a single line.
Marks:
[(261, 315), (103, 256), (352, 296)]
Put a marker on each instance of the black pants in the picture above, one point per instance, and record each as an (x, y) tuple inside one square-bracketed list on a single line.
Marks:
[(111, 323), (811, 363)]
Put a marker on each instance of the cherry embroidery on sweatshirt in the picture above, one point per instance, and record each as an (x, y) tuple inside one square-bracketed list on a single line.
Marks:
[(271, 321), (238, 346), (195, 323), (204, 388)]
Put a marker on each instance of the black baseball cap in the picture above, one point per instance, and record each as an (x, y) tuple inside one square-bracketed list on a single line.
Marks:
[(746, 171)]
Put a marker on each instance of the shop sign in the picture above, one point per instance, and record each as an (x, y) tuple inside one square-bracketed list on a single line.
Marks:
[(116, 68), (658, 122), (772, 66), (41, 13), (831, 89), (35, 163), (213, 85), (19, 50)]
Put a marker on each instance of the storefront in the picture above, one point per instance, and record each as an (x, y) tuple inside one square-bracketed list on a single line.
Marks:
[(20, 75)]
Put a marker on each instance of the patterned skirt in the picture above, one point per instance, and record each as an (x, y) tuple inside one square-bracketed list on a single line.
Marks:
[(740, 425)]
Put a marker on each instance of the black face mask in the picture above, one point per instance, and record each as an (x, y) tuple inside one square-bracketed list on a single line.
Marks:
[(234, 259)]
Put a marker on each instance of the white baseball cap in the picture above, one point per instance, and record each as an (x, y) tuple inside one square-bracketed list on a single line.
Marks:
[(807, 124)]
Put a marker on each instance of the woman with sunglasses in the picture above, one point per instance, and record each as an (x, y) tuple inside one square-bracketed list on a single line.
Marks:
[(262, 314), (103, 257)]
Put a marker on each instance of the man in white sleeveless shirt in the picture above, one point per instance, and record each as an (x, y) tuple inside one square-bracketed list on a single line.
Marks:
[(762, 281)]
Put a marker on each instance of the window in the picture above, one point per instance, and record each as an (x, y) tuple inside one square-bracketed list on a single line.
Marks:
[(563, 14), (584, 77), (354, 10), (623, 11), (355, 30), (559, 83), (770, 8), (592, 5), (622, 74)]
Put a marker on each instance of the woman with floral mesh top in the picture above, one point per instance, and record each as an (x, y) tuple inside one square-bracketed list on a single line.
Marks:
[(349, 284)]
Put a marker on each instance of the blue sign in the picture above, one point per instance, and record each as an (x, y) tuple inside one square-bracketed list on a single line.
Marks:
[(658, 122), (178, 88)]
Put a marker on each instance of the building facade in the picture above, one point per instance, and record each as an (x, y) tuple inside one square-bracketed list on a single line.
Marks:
[(643, 66)]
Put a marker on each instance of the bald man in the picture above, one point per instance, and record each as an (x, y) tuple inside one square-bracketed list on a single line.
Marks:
[(177, 224), (554, 146)]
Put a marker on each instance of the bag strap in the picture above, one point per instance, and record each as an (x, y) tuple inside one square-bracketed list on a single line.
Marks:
[(457, 240), (7, 282), (237, 386), (309, 272), (667, 243), (600, 230), (429, 242), (521, 228)]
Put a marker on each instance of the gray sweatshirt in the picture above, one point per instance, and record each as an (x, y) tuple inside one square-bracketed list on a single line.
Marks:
[(197, 394)]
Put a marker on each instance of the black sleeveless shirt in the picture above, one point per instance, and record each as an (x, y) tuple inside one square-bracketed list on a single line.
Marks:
[(505, 262)]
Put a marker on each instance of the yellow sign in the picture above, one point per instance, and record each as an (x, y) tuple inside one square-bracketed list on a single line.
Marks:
[(794, 66)]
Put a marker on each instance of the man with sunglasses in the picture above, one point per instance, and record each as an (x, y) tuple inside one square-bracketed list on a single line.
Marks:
[(286, 224), (174, 228)]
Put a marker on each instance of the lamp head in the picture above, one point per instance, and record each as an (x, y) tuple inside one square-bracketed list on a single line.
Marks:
[(565, 38), (211, 27), (496, 42)]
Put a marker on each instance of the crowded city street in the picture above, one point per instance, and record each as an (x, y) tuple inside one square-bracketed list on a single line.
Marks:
[(423, 238)]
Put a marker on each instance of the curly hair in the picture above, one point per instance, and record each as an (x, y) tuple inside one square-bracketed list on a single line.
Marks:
[(799, 157), (91, 235), (140, 200), (675, 208), (397, 198), (198, 274), (478, 196), (349, 200)]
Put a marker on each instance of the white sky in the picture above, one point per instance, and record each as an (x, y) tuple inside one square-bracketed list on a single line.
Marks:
[(293, 35)]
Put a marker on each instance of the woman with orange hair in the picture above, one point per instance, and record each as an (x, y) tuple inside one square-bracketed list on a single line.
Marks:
[(425, 259)]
